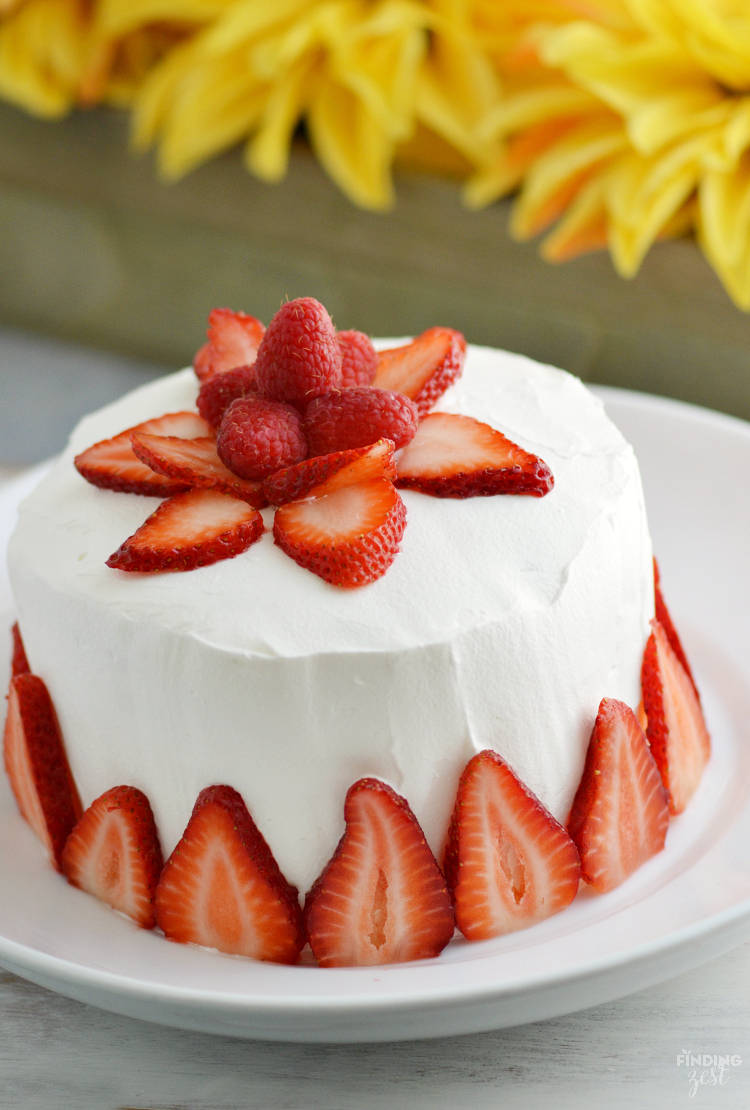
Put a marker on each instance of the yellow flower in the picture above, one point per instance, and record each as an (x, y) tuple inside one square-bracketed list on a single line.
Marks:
[(362, 75), (655, 143)]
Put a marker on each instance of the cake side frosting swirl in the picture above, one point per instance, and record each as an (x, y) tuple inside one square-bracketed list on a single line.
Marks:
[(502, 623)]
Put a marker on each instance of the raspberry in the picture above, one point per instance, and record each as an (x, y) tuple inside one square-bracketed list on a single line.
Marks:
[(359, 359), (357, 417), (258, 437), (217, 394), (299, 357)]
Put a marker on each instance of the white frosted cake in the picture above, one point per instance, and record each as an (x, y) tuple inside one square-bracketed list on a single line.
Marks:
[(501, 624)]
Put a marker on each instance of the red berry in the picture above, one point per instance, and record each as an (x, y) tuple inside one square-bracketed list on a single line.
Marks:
[(112, 464), (620, 813), (349, 537), (381, 899), (19, 664), (665, 620), (676, 729), (217, 394), (37, 765), (190, 530), (425, 368), (195, 462), (327, 473), (233, 340), (458, 456), (359, 359), (258, 436), (114, 853), (222, 888), (349, 418), (508, 863), (299, 357)]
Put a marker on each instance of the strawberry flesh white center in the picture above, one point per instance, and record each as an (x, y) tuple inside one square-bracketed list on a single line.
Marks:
[(336, 517)]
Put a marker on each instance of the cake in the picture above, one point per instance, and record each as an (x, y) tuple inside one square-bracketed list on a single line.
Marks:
[(501, 624)]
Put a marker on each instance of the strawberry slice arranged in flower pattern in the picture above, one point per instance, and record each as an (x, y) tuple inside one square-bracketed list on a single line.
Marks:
[(326, 473), (424, 368), (676, 729), (381, 899), (458, 456), (195, 463), (112, 464), (193, 529), (509, 863), (222, 888), (349, 537), (37, 765), (114, 853), (233, 340), (620, 812)]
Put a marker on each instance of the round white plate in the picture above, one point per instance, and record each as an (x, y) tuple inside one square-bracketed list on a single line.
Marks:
[(690, 903)]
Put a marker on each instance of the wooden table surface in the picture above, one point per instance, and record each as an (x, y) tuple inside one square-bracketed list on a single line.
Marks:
[(56, 1054)]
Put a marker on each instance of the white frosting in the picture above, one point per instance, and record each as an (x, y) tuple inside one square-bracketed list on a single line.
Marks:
[(502, 623)]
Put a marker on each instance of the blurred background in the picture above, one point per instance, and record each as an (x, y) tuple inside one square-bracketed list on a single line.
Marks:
[(107, 272)]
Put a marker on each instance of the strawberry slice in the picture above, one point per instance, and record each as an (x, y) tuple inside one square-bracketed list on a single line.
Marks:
[(381, 899), (19, 664), (111, 463), (665, 620), (190, 530), (620, 812), (114, 853), (222, 888), (37, 765), (457, 456), (327, 473), (425, 368), (509, 863), (676, 730), (194, 462), (233, 340), (349, 537)]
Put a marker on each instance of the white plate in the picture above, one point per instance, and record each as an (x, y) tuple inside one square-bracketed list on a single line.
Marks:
[(690, 903)]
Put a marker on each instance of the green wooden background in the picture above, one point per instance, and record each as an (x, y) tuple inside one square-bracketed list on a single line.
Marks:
[(95, 249)]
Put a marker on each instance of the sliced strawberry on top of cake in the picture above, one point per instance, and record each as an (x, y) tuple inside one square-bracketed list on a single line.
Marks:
[(458, 456), (676, 729), (196, 463), (222, 888), (508, 863), (37, 765), (620, 812), (112, 464), (114, 853), (349, 537), (424, 368), (326, 473), (381, 899), (233, 340), (190, 530)]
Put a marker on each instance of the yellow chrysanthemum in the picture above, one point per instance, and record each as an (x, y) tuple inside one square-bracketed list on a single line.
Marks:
[(628, 125), (362, 75)]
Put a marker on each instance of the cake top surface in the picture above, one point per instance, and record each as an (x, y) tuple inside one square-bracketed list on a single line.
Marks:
[(462, 564)]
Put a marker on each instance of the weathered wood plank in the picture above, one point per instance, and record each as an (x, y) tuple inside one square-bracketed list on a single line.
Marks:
[(94, 248), (57, 1054)]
